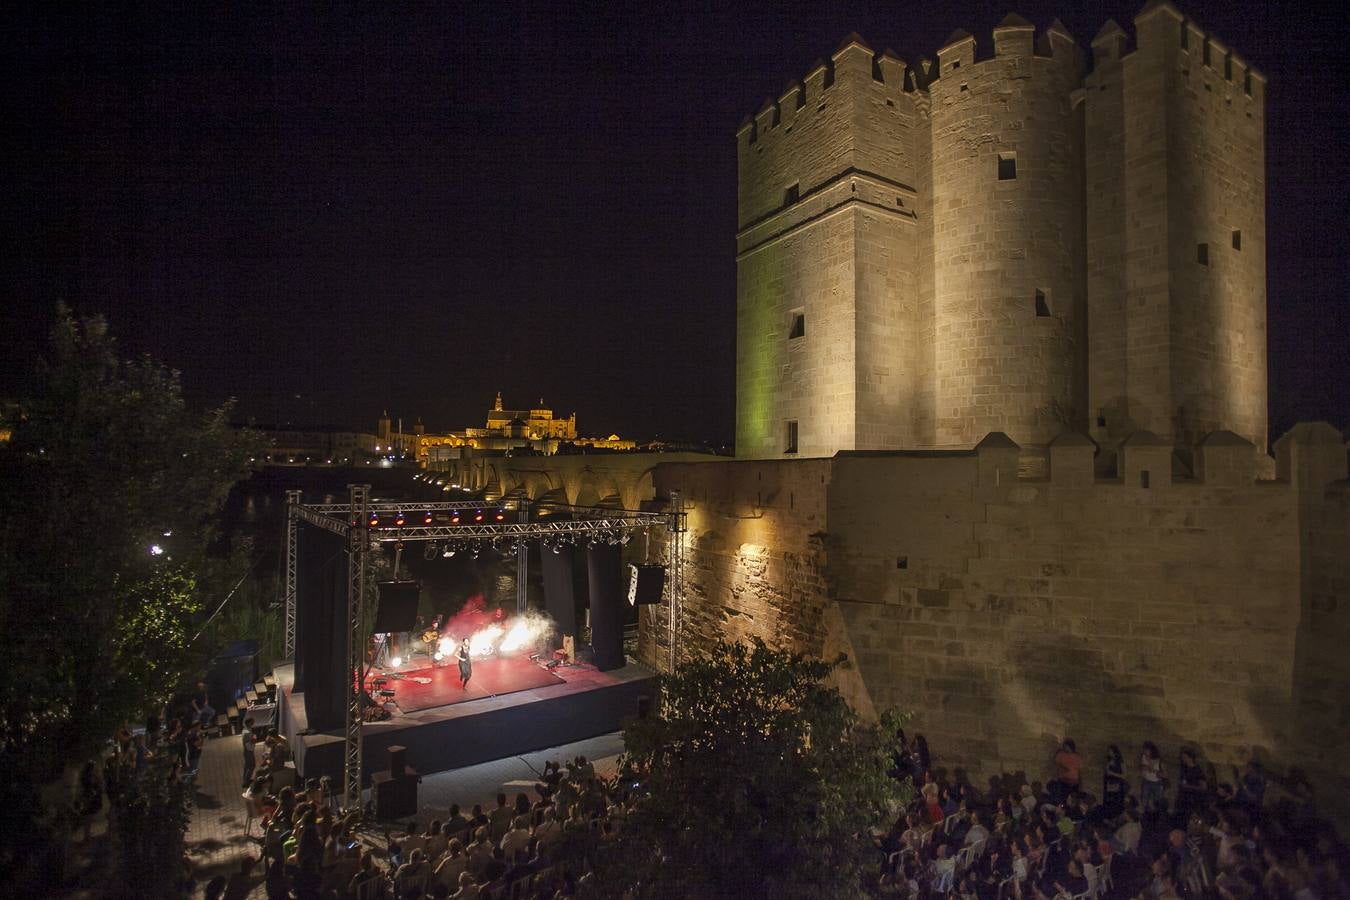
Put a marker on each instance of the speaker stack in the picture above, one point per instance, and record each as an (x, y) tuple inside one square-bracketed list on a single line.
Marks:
[(395, 791)]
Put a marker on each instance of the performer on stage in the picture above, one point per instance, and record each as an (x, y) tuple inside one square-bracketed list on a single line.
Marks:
[(465, 664)]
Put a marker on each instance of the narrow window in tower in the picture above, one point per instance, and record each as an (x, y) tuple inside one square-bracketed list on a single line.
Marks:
[(1206, 57), (1007, 166), (791, 195), (1202, 254), (798, 327), (1042, 303), (1143, 478), (1237, 239), (790, 439), (1185, 41)]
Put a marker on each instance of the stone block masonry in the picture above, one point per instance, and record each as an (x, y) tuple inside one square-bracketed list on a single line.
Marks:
[(1010, 611), (1002, 241)]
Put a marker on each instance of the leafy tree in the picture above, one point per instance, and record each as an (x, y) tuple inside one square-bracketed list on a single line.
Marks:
[(756, 779), (111, 487)]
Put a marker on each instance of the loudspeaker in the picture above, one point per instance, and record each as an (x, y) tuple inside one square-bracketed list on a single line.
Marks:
[(395, 797), (398, 760), (645, 584), (397, 609)]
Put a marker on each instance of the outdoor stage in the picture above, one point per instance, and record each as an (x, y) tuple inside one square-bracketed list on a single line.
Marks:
[(512, 706)]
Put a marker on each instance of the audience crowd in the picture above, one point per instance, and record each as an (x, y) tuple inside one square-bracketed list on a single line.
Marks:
[(1165, 833), (1160, 832), (513, 850)]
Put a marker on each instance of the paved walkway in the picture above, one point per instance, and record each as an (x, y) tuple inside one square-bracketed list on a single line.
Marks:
[(216, 842)]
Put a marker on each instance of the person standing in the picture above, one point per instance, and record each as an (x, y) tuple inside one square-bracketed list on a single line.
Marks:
[(250, 751), (1114, 785), (465, 663)]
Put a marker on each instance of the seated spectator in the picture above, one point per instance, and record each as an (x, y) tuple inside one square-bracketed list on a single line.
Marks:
[(1073, 883), (367, 872), (452, 864), (467, 888), (1028, 801), (457, 824), (479, 851), (515, 840), (977, 833), (1126, 838), (410, 878)]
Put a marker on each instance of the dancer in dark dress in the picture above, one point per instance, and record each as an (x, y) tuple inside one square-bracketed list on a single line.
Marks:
[(465, 664)]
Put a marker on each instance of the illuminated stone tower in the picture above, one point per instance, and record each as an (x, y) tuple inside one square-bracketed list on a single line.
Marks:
[(996, 242)]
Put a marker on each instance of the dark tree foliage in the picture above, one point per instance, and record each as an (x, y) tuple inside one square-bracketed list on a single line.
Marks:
[(755, 779), (107, 462)]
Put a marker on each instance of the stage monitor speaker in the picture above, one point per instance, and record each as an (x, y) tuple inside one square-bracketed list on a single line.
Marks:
[(398, 760), (645, 584), (397, 609)]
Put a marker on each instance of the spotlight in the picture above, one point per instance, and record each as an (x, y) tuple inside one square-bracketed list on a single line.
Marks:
[(438, 656), (501, 515), (396, 661), (454, 520), (156, 550), (374, 521), (399, 520), (557, 548), (448, 552), (426, 519), (478, 516), (625, 538)]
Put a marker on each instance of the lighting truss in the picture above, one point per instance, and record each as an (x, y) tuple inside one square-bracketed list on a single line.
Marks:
[(352, 522)]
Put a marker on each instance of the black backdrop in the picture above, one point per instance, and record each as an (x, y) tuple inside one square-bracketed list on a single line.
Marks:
[(559, 596), (321, 626), (606, 589)]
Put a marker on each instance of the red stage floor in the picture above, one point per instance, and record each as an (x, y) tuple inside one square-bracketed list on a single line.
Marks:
[(431, 687)]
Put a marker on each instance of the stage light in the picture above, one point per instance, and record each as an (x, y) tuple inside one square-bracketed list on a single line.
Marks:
[(478, 516), (447, 552), (426, 519), (438, 656), (168, 534), (374, 521), (501, 515), (156, 550), (399, 520), (557, 548), (454, 520), (396, 661), (625, 538), (473, 554)]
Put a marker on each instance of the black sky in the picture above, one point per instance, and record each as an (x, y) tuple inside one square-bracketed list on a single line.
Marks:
[(328, 212)]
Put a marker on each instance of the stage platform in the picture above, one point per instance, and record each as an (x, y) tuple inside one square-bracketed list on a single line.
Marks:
[(575, 703), (431, 685)]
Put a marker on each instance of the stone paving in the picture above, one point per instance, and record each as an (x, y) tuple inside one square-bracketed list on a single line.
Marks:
[(217, 844)]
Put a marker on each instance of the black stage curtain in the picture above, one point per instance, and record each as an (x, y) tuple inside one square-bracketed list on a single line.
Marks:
[(606, 592), (321, 626), (559, 598)]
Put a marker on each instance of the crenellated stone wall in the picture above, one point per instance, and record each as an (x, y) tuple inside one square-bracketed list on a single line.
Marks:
[(1009, 612)]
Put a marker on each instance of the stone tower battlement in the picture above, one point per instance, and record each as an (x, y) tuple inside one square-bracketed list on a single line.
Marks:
[(1003, 240)]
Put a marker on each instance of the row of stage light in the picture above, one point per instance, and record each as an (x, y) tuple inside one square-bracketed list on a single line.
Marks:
[(472, 549), (454, 517)]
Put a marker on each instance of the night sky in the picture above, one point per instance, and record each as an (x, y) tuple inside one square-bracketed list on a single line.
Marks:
[(413, 206)]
